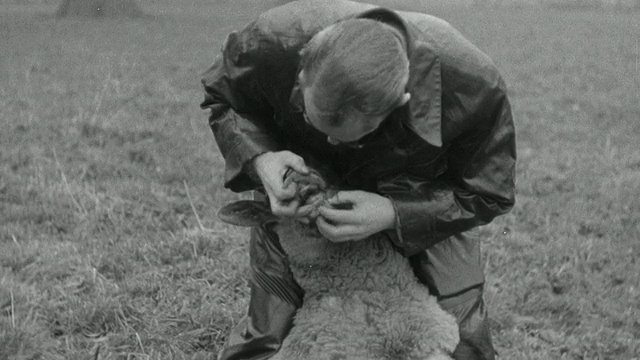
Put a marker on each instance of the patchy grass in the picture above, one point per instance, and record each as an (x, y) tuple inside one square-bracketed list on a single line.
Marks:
[(562, 271), (105, 158)]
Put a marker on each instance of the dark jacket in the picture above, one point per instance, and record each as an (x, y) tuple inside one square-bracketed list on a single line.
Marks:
[(446, 159)]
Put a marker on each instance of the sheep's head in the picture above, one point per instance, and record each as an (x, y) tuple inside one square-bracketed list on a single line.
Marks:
[(311, 189), (301, 240)]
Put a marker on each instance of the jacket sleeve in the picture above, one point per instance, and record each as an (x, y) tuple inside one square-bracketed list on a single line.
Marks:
[(478, 185), (241, 118)]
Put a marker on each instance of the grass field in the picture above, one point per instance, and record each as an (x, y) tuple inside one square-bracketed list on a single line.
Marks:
[(110, 180)]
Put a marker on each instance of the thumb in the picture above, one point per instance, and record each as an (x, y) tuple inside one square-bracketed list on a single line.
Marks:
[(342, 197), (297, 164)]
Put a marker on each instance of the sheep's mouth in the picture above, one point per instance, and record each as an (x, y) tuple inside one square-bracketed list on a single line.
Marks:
[(312, 231), (312, 189)]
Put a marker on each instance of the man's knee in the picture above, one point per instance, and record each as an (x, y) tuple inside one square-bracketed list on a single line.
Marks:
[(475, 333), (260, 333), (275, 298)]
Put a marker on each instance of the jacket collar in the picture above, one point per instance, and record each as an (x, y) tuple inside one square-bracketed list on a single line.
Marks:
[(425, 86)]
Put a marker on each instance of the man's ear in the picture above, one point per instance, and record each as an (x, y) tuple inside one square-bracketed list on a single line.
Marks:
[(246, 213)]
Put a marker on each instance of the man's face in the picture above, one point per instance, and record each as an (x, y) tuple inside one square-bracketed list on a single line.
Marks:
[(350, 133)]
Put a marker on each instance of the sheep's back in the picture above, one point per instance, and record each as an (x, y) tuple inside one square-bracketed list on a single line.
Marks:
[(362, 301), (320, 265), (371, 325)]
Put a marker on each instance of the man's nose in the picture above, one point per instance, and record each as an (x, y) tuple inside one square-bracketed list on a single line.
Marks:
[(332, 141)]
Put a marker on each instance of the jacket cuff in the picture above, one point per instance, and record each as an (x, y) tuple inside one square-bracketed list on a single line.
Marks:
[(414, 225), (395, 235), (239, 174)]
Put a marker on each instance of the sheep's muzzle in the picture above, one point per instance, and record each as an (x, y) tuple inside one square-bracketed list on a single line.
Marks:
[(312, 189)]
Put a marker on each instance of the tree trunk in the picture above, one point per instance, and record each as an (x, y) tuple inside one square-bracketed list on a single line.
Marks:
[(99, 8)]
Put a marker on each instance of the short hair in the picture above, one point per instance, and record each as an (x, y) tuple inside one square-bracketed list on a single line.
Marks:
[(356, 65)]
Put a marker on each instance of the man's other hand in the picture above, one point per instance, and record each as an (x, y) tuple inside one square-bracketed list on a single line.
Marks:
[(368, 213)]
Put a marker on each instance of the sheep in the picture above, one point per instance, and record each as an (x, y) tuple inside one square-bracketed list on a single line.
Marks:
[(361, 298)]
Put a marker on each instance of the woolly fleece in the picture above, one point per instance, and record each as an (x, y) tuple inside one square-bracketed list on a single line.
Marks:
[(362, 301)]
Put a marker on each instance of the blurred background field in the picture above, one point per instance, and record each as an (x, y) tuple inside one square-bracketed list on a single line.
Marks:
[(110, 180)]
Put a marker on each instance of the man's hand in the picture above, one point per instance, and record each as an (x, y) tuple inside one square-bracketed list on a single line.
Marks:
[(369, 213), (271, 168)]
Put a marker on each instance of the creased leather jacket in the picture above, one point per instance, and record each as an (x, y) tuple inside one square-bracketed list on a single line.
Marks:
[(446, 159)]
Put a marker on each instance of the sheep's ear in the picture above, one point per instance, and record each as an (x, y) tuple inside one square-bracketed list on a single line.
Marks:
[(246, 213)]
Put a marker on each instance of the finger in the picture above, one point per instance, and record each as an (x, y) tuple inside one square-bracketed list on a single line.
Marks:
[(284, 193), (335, 233), (297, 163), (285, 209), (303, 211), (273, 185), (346, 197), (303, 220), (271, 196), (274, 203), (326, 229), (288, 179), (337, 216)]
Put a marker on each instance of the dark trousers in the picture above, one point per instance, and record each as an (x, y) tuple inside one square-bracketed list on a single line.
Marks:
[(275, 298)]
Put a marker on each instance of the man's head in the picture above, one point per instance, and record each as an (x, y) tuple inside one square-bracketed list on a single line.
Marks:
[(354, 74)]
